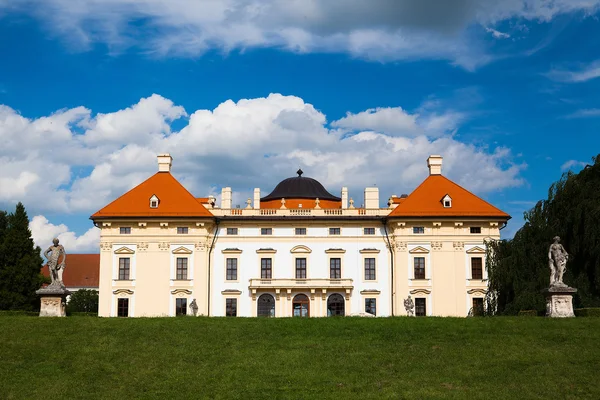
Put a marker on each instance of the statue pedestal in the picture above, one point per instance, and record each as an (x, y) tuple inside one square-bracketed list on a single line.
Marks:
[(559, 301), (53, 301)]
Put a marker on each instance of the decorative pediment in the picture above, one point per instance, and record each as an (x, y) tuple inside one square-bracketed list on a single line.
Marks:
[(181, 291), (476, 250), (266, 251), (231, 251), (369, 251), (123, 291), (300, 249), (334, 251), (231, 292), (418, 250), (420, 291), (477, 291), (370, 291), (124, 250), (182, 250)]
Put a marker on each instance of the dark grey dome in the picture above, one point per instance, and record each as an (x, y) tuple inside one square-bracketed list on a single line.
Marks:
[(300, 187)]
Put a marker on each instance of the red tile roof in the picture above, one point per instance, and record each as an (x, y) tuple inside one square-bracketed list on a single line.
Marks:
[(174, 200), (426, 201), (81, 271)]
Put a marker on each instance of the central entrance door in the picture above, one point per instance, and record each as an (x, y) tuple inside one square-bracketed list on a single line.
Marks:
[(300, 306)]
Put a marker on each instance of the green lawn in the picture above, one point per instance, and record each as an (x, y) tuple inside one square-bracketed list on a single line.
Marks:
[(164, 358)]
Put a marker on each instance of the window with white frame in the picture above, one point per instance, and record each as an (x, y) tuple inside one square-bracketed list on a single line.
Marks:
[(232, 231), (475, 229), (266, 268), (370, 269), (124, 268), (335, 231), (369, 231), (182, 230), (231, 307), (419, 263), (300, 268), (371, 306), (125, 230), (300, 231), (123, 307), (266, 231), (180, 307), (420, 307), (335, 268), (232, 269), (476, 268), (181, 268), (154, 201)]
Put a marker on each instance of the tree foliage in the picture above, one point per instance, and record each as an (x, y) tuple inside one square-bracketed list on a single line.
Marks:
[(518, 269), (83, 300), (20, 262)]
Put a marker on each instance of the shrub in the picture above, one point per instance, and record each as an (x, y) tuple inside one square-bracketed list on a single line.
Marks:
[(587, 312), (83, 300), (528, 313)]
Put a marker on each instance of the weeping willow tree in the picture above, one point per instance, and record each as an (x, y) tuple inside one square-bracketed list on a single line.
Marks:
[(518, 268)]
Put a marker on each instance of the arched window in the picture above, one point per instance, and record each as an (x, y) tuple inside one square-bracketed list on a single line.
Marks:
[(265, 306), (300, 306), (336, 306)]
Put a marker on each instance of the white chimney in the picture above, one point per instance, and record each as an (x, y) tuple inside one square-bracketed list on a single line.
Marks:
[(164, 162), (372, 197), (344, 197), (226, 198), (434, 162), (256, 198)]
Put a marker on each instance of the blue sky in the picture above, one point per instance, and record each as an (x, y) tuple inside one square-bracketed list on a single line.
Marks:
[(242, 92)]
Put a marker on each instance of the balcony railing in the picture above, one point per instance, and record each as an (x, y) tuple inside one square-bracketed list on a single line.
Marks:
[(300, 212), (301, 283)]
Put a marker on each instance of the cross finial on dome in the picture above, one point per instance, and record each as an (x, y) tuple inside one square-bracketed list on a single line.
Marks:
[(300, 172)]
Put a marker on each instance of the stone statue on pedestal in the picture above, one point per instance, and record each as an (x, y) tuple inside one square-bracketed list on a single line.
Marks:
[(56, 266), (559, 296), (194, 307), (53, 299), (409, 305), (557, 260)]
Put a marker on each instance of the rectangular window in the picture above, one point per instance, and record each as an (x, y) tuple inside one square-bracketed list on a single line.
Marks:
[(335, 268), (418, 229), (475, 229), (232, 269), (300, 268), (478, 306), (369, 231), (334, 231), (420, 307), (369, 269), (124, 268), (476, 268), (125, 230), (419, 267), (182, 230), (232, 231), (180, 307), (231, 307), (300, 231), (182, 269), (371, 306), (122, 307), (266, 268), (266, 231)]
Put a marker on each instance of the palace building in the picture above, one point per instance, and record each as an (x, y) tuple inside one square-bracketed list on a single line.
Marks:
[(297, 251)]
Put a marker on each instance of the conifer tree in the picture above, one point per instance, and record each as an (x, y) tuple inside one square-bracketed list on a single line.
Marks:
[(20, 262)]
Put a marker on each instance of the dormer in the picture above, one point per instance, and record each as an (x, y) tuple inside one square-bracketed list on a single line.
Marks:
[(447, 201), (154, 201)]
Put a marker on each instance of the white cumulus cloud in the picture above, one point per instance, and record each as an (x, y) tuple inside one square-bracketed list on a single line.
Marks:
[(243, 144), (43, 232)]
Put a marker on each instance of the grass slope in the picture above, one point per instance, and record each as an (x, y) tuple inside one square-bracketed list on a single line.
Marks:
[(163, 358)]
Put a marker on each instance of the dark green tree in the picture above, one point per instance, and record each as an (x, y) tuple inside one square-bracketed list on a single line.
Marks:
[(518, 268), (83, 300), (20, 264)]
